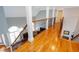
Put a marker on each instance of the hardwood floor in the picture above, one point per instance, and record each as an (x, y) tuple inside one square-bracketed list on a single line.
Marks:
[(3, 48), (49, 41)]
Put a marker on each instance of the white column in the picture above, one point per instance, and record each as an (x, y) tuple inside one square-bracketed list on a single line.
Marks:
[(29, 23), (47, 16), (53, 16)]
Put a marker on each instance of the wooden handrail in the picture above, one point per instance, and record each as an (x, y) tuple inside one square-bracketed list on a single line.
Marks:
[(75, 36), (39, 20), (44, 19), (19, 34)]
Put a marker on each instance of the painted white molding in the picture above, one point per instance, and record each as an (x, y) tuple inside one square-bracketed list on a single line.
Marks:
[(53, 15), (29, 23), (3, 38), (47, 16)]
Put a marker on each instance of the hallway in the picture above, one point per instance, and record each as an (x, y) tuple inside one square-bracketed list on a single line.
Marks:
[(49, 41)]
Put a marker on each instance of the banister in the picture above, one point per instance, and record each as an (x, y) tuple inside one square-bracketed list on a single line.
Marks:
[(19, 34), (44, 19), (75, 36)]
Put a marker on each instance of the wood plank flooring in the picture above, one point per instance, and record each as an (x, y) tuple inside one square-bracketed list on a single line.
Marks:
[(49, 41)]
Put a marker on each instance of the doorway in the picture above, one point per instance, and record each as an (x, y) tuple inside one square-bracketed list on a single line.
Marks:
[(59, 19), (59, 15)]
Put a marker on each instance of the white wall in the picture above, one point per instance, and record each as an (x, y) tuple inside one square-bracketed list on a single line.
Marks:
[(3, 23), (76, 31), (71, 20), (19, 11), (71, 12), (14, 11), (36, 9), (3, 26), (69, 24), (16, 21), (15, 15)]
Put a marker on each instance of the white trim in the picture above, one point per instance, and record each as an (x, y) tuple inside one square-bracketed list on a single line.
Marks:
[(29, 23), (3, 38), (47, 16), (53, 15)]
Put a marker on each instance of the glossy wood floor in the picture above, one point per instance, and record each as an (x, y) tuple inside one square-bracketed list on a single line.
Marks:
[(49, 41)]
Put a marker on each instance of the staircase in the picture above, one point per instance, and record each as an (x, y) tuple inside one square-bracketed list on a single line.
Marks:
[(16, 44), (24, 35)]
